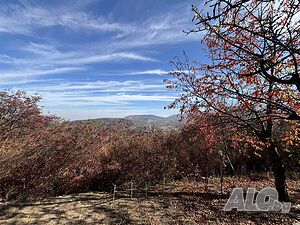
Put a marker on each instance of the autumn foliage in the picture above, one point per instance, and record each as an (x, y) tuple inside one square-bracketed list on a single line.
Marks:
[(44, 156), (251, 83)]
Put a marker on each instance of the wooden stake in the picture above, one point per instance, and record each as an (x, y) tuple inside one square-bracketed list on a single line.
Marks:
[(131, 190), (114, 191), (206, 183), (221, 173), (195, 186), (146, 189)]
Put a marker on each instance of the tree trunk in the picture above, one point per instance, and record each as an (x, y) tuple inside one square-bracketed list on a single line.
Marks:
[(276, 160), (279, 173)]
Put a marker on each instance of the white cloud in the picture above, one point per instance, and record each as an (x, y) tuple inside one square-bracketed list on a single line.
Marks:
[(39, 58), (158, 29), (26, 81), (99, 86), (6, 59), (104, 58), (47, 55), (112, 41), (49, 60), (27, 19), (100, 98), (42, 49), (83, 99), (6, 76), (151, 72)]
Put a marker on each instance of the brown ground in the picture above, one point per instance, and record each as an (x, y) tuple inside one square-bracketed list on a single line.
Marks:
[(182, 203)]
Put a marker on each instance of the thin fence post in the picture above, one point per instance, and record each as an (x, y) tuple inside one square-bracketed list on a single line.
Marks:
[(222, 179), (206, 182), (222, 173), (131, 190), (195, 185), (146, 189), (24, 183), (114, 191)]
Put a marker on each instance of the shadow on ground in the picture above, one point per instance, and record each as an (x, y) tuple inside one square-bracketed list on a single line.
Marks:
[(159, 208), (89, 208)]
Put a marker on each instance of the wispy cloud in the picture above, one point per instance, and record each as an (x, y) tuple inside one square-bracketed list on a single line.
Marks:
[(105, 58), (150, 72), (159, 29), (83, 49), (46, 60), (26, 19), (99, 87), (47, 54), (6, 76), (25, 81), (70, 98), (99, 93)]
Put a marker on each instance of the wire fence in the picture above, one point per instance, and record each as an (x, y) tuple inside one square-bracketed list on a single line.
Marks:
[(134, 189)]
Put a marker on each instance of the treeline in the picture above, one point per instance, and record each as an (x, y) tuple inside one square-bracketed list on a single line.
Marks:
[(42, 156)]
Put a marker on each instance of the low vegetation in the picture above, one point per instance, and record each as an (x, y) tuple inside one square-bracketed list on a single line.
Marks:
[(44, 156)]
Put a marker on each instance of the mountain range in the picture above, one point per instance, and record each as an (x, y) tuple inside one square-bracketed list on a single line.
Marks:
[(143, 122)]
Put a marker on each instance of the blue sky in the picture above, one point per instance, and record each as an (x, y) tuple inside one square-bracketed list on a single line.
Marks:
[(95, 58)]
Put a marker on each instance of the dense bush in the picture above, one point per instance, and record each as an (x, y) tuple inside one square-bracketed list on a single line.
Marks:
[(43, 156)]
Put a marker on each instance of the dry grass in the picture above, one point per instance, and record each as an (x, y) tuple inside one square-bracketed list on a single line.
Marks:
[(182, 203)]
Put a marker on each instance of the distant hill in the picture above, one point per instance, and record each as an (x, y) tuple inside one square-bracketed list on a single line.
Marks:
[(142, 122)]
